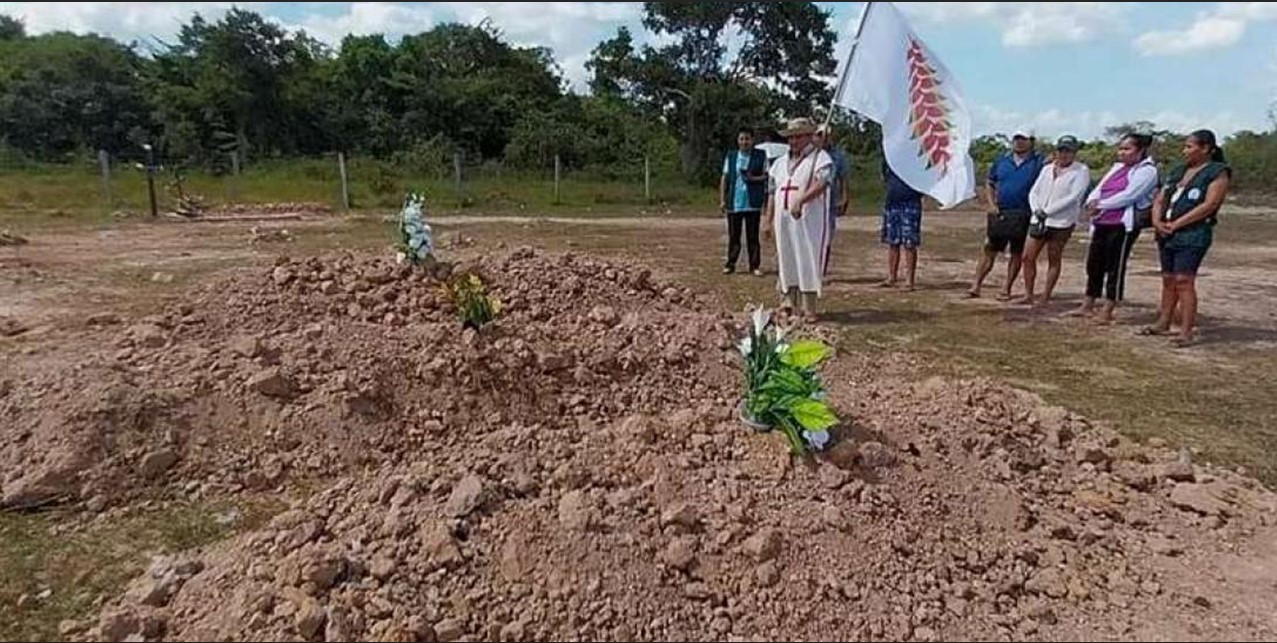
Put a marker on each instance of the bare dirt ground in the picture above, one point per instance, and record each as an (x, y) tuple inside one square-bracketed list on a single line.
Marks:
[(318, 453)]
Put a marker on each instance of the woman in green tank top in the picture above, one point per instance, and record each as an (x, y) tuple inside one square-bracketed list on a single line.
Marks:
[(1184, 216)]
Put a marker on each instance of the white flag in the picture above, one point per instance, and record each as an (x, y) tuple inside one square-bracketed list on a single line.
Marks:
[(895, 80)]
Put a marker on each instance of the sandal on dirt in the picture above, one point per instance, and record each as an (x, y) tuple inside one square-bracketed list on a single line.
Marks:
[(885, 284), (1003, 296), (1181, 342), (971, 294), (1152, 331)]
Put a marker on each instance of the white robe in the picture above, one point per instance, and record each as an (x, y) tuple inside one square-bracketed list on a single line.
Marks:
[(801, 244)]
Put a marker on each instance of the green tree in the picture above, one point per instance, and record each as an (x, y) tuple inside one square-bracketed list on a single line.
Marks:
[(1253, 157), (11, 28), (469, 85), (61, 93), (365, 101), (780, 63), (601, 134), (242, 76)]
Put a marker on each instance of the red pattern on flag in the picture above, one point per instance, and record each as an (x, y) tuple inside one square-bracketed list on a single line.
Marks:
[(929, 112)]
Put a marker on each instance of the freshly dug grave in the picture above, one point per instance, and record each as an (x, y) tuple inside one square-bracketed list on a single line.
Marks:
[(948, 511), (576, 472), (319, 367)]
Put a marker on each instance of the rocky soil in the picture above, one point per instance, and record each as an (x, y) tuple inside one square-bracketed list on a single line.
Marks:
[(576, 472)]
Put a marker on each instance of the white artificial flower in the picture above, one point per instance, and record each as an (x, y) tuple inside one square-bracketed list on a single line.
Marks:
[(746, 346), (420, 238), (761, 318), (818, 440), (780, 333)]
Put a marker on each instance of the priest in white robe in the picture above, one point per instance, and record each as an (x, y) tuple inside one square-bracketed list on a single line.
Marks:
[(798, 208)]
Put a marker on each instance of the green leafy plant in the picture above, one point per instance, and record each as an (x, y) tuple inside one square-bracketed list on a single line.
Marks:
[(475, 307), (783, 389)]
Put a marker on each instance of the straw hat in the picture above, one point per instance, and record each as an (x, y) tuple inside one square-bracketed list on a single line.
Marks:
[(799, 127)]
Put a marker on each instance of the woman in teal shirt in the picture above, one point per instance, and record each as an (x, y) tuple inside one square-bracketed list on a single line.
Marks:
[(1184, 216)]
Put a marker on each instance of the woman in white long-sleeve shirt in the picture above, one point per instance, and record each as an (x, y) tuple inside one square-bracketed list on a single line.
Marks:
[(1114, 208), (1056, 203)]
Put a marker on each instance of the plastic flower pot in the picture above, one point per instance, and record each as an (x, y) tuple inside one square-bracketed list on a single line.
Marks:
[(743, 412)]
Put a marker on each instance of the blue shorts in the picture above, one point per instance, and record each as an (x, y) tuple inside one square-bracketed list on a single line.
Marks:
[(1181, 260), (902, 225)]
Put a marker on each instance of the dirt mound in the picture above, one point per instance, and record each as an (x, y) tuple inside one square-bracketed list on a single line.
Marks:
[(576, 471), (946, 511), (317, 367), (300, 207)]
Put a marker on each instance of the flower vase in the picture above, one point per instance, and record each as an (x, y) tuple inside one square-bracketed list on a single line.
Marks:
[(742, 410)]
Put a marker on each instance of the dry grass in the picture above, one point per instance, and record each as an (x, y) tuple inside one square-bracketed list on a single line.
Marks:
[(80, 567)]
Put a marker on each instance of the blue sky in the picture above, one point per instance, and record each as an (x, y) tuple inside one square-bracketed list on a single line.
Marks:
[(1058, 67)]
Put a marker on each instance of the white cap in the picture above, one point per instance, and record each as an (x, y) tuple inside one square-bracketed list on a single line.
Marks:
[(1022, 132)]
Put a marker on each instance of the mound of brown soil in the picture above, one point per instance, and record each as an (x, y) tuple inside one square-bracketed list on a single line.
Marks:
[(576, 472), (320, 367)]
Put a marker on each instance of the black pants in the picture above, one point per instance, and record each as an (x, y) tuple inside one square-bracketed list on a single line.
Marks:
[(749, 221), (1106, 262)]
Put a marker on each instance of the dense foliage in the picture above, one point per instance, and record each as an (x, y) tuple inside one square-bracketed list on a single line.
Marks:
[(245, 85)]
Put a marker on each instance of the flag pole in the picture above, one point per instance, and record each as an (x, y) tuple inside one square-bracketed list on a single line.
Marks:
[(842, 78)]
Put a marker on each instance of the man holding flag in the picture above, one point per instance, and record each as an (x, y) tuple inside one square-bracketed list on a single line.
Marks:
[(892, 78)]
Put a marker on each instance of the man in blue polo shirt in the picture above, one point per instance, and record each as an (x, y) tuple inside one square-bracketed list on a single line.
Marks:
[(1011, 177)]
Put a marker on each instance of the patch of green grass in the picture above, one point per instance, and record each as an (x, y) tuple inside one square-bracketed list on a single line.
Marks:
[(1143, 391), (81, 566), (74, 194)]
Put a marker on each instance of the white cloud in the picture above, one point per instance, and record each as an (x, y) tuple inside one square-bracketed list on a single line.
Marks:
[(1030, 24), (122, 20), (363, 18), (570, 29), (1054, 123), (1248, 10), (1207, 33), (1055, 23), (556, 24), (1224, 26)]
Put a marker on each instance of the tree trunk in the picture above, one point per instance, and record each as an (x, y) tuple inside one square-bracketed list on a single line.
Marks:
[(690, 152)]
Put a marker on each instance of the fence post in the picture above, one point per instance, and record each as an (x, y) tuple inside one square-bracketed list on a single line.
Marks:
[(104, 162), (456, 172), (235, 174), (647, 179), (556, 179), (150, 179), (345, 185)]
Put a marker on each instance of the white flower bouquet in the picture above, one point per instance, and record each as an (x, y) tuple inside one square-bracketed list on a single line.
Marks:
[(416, 241), (783, 389)]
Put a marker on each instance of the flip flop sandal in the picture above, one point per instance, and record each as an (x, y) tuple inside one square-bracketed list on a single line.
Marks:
[(1152, 331)]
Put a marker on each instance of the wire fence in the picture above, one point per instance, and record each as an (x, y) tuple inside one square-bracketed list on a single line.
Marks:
[(125, 183)]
